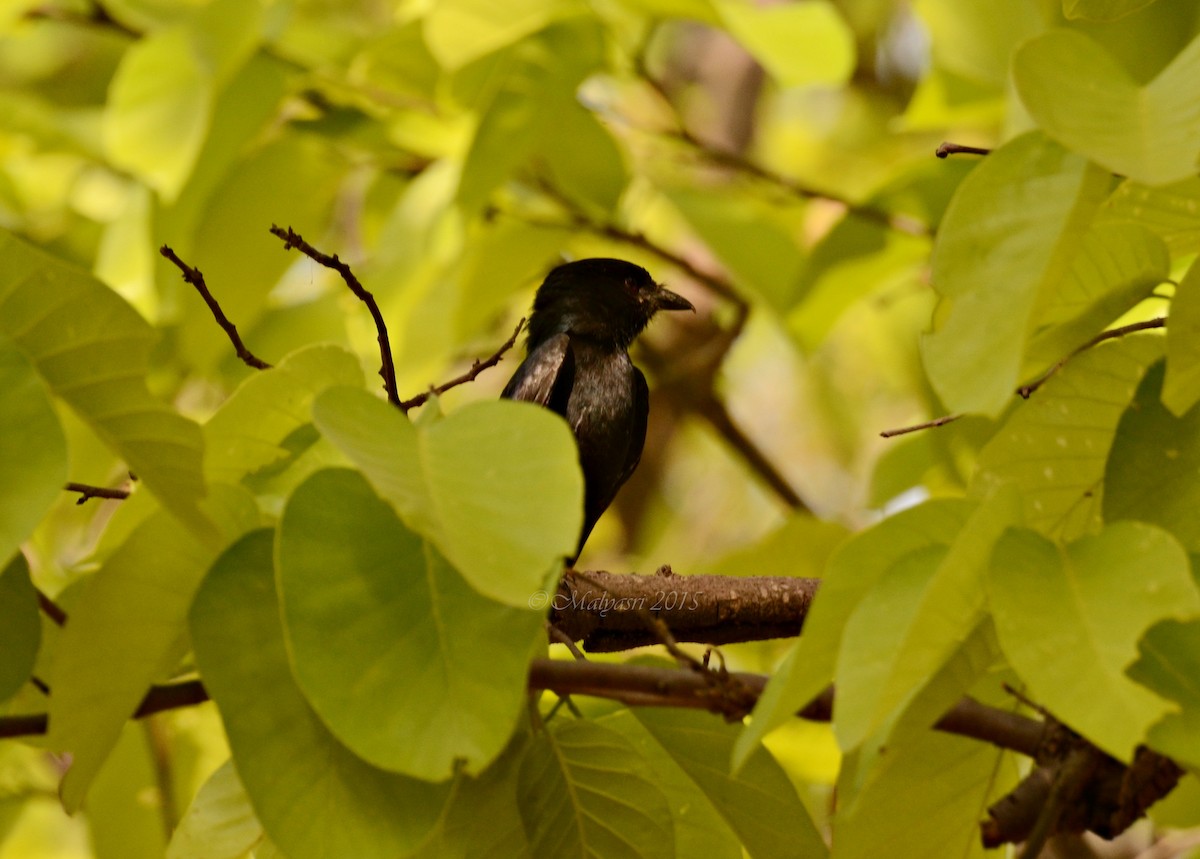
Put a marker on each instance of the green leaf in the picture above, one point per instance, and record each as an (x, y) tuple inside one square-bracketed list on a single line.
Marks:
[(1151, 474), (248, 431), (750, 236), (1118, 266), (584, 791), (128, 631), (853, 571), (920, 799), (20, 627), (913, 621), (528, 87), (591, 170), (315, 799), (460, 31), (384, 635), (1082, 98), (1011, 230), (295, 176), (483, 818), (799, 44), (1056, 445), (219, 823), (759, 803), (92, 349), (159, 106), (161, 98), (34, 458), (700, 830), (1169, 664), (1181, 388), (1171, 212), (1069, 619), (496, 486), (1101, 10)]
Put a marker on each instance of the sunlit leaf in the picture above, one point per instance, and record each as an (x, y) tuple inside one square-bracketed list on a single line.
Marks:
[(128, 631), (92, 349), (496, 486), (315, 798), (990, 270), (758, 802), (384, 635), (459, 31), (248, 431), (1102, 10), (1069, 619), (1171, 212), (1181, 388), (1056, 445), (219, 823), (913, 621), (584, 791), (34, 450), (1081, 97), (853, 571), (799, 44)]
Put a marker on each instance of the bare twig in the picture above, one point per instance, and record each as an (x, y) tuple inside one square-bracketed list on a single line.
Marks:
[(196, 279), (50, 608), (387, 369), (946, 149), (476, 368), (936, 422), (87, 491), (1025, 390)]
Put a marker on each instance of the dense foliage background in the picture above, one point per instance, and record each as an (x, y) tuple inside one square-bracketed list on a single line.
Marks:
[(358, 590)]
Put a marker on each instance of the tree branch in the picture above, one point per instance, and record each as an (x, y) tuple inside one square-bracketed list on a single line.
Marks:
[(87, 491), (1026, 390), (196, 279), (947, 148), (387, 369), (476, 368)]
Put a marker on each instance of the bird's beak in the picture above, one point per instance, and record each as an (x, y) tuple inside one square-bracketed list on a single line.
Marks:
[(664, 299)]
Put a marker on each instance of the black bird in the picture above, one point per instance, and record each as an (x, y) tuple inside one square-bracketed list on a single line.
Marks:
[(585, 316)]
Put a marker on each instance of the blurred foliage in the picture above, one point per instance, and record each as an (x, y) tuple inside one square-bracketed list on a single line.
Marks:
[(351, 585)]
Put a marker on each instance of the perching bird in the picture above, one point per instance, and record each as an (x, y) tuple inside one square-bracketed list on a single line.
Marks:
[(585, 316)]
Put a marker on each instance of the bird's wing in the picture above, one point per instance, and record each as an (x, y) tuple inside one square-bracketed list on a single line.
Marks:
[(545, 376), (637, 437)]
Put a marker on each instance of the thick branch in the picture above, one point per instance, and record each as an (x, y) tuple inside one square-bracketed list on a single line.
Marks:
[(387, 369), (607, 612), (476, 368), (196, 279)]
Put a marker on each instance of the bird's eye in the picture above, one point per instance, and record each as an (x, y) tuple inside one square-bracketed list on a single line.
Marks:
[(631, 286)]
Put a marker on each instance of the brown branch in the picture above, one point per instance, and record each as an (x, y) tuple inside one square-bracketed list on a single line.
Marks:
[(51, 609), (1025, 390), (607, 611), (196, 279), (936, 422), (947, 148), (387, 369), (87, 491), (476, 368), (169, 696)]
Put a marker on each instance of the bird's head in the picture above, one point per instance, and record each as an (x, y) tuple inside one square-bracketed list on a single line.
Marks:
[(609, 300)]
